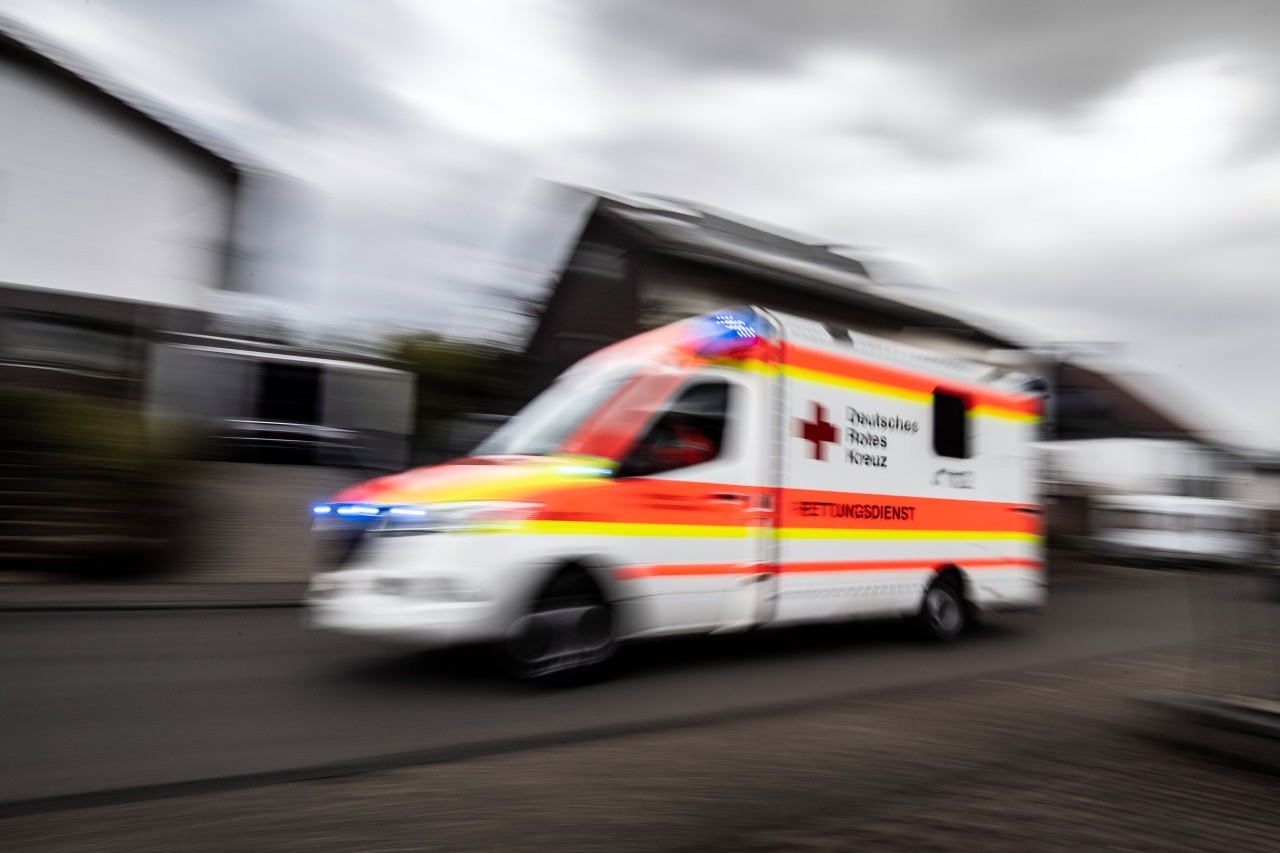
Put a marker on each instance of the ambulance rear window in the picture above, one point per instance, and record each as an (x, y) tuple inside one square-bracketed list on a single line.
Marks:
[(950, 426)]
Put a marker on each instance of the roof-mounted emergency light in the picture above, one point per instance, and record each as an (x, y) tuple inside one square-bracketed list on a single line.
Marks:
[(726, 333)]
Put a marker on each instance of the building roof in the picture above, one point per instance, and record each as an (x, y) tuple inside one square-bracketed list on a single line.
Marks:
[(703, 236), (1094, 404), (23, 44), (1098, 402)]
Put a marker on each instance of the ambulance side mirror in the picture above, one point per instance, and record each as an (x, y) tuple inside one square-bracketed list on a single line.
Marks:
[(638, 462), (631, 465)]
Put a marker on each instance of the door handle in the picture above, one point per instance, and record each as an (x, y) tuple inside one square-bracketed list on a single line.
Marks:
[(727, 497)]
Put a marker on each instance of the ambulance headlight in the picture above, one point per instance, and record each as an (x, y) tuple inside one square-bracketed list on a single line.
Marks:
[(461, 516)]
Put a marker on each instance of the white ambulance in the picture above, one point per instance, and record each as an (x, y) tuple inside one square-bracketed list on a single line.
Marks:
[(738, 470)]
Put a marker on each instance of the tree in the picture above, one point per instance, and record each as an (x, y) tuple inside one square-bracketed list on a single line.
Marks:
[(454, 378)]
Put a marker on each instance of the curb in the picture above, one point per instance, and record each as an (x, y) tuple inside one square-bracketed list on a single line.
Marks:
[(52, 597), (84, 606)]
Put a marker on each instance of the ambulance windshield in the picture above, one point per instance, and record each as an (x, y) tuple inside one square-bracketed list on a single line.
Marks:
[(545, 424)]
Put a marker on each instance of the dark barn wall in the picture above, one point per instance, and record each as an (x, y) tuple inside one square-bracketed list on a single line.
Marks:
[(665, 275), (594, 304), (634, 269)]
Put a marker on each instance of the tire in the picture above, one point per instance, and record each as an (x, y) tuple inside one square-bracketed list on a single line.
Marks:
[(943, 613), (566, 637)]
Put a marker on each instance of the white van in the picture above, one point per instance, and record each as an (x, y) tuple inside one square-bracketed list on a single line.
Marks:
[(1176, 529), (738, 470), (265, 403)]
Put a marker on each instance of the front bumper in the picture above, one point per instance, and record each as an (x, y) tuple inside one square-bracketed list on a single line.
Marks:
[(429, 625), (405, 607), (433, 589)]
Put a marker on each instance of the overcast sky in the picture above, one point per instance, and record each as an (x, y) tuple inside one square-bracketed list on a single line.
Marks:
[(1088, 170)]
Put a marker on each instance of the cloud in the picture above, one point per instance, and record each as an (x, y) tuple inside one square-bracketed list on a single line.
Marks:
[(1049, 55), (304, 65)]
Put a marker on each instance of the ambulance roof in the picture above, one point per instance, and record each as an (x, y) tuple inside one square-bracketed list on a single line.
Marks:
[(882, 350), (733, 324)]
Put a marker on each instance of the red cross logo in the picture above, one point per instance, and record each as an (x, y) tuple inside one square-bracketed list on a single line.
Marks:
[(819, 431)]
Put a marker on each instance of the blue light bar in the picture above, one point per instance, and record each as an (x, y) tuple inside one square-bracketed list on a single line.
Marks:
[(737, 325), (728, 331), (358, 509), (322, 509)]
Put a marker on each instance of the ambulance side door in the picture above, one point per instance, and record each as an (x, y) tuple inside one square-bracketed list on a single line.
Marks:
[(693, 481), (855, 453)]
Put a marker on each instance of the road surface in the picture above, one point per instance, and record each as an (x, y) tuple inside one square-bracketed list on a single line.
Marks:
[(95, 701)]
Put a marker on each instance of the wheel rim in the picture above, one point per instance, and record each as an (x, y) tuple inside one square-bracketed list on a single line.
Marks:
[(945, 614)]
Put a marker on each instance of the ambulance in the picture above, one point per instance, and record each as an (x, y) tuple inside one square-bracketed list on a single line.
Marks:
[(734, 471)]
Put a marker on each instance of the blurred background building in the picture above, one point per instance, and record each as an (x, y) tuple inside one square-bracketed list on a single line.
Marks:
[(132, 295), (114, 224), (131, 248)]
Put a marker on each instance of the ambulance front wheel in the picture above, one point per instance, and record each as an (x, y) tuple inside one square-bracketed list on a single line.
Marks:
[(943, 612), (567, 636)]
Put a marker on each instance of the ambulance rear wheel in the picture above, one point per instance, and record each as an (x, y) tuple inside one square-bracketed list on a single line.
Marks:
[(566, 637), (943, 613)]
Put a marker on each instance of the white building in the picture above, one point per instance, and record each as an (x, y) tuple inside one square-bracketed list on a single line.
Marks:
[(133, 243), (117, 219), (102, 200)]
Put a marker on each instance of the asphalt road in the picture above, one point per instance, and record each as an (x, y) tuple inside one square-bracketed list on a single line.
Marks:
[(106, 700)]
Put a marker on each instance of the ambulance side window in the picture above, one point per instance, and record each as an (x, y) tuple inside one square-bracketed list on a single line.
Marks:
[(689, 431), (950, 426)]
